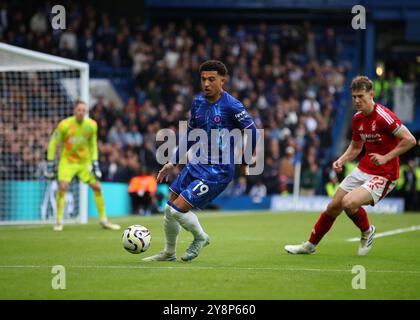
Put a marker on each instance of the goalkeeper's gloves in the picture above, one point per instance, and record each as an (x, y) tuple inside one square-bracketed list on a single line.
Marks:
[(96, 170), (49, 172)]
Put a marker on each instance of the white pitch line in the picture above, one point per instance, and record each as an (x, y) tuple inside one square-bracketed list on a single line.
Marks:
[(207, 268), (390, 233)]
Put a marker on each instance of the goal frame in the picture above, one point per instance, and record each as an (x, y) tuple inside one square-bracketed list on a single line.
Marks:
[(54, 63)]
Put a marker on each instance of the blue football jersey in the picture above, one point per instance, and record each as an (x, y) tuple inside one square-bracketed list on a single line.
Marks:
[(227, 113)]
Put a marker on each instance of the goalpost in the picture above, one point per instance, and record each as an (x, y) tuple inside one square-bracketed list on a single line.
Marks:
[(37, 90)]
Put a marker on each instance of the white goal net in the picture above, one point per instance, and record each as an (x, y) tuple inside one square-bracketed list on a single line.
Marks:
[(36, 92)]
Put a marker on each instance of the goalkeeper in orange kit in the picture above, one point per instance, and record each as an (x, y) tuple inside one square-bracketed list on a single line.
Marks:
[(79, 156)]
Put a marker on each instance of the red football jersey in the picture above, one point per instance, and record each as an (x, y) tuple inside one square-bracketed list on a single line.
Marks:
[(377, 131)]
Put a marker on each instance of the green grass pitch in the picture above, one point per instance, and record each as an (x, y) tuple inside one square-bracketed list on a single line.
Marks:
[(245, 260)]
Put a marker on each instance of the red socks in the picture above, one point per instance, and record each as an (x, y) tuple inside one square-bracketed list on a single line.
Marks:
[(360, 219), (324, 223), (321, 227)]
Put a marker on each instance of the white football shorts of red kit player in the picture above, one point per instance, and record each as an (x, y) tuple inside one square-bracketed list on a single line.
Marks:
[(377, 186)]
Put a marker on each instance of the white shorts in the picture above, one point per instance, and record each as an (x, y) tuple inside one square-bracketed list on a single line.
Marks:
[(377, 186)]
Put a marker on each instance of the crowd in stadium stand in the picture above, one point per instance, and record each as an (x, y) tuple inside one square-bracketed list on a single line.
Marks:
[(288, 77)]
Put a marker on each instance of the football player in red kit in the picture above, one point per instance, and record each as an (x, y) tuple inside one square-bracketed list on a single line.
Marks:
[(385, 138)]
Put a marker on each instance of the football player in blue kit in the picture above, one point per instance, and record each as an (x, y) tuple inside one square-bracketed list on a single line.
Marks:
[(199, 182)]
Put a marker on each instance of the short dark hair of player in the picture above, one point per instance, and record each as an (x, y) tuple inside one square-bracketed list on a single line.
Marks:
[(361, 83), (213, 65), (79, 102)]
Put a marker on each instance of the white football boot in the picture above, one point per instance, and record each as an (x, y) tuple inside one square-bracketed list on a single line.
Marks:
[(108, 225), (58, 226), (304, 248), (161, 256), (366, 241), (195, 247)]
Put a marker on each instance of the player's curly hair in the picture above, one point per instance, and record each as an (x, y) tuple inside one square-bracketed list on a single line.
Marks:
[(361, 83), (214, 65)]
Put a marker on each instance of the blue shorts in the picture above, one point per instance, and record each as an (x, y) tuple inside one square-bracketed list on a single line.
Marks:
[(198, 192)]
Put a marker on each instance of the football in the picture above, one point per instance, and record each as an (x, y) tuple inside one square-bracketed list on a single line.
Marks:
[(136, 239)]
